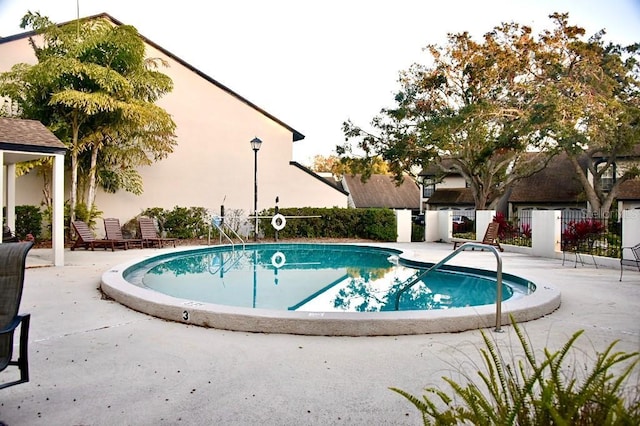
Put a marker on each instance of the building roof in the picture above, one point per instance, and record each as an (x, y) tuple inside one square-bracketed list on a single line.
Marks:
[(28, 136), (556, 183), (382, 191), (452, 197), (629, 190), (296, 135)]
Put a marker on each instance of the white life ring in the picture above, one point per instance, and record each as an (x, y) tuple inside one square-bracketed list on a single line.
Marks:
[(278, 260), (278, 222)]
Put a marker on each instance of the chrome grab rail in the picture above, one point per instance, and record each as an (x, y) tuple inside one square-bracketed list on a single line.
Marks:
[(452, 255), (217, 224)]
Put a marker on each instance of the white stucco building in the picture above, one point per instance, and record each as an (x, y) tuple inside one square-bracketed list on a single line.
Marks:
[(213, 162)]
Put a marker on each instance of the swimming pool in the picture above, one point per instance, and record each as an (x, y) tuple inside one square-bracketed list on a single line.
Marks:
[(334, 289)]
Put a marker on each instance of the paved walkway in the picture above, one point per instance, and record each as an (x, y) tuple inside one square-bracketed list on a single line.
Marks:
[(95, 362)]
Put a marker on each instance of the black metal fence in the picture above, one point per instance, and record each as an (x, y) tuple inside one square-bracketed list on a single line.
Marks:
[(596, 233), (517, 230), (593, 233)]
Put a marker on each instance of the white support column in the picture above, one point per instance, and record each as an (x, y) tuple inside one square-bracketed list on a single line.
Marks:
[(445, 225), (57, 215), (431, 226), (545, 232), (483, 219), (630, 228), (11, 196), (403, 220)]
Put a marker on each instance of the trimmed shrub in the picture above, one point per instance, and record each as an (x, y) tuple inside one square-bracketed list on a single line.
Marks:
[(28, 221), (312, 222)]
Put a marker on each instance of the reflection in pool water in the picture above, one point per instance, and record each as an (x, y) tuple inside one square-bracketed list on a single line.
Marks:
[(316, 278)]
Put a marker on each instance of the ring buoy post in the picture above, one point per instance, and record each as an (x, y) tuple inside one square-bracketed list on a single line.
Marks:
[(278, 222)]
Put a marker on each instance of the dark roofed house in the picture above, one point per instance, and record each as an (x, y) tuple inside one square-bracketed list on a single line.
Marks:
[(456, 198), (381, 191), (554, 186)]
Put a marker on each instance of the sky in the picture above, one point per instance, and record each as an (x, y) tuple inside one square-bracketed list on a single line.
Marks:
[(315, 64)]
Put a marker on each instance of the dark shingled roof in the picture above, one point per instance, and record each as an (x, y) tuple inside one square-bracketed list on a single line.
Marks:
[(28, 136), (630, 190), (452, 197), (381, 191), (555, 183)]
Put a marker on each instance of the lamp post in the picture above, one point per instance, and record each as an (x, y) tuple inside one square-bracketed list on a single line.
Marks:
[(255, 145)]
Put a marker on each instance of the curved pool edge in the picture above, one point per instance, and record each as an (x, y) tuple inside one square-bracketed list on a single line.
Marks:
[(543, 301)]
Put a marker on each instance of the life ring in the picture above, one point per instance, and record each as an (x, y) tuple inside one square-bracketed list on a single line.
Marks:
[(278, 222), (278, 260)]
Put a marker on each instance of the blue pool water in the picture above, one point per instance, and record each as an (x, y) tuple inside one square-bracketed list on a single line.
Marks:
[(317, 278)]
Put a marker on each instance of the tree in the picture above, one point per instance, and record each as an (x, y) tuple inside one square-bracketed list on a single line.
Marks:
[(341, 166), (94, 88), (469, 106), (500, 109), (588, 104)]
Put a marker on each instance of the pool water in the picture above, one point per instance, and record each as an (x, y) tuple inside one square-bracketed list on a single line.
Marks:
[(316, 278)]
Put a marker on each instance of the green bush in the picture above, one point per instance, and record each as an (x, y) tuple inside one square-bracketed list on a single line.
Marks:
[(28, 221), (417, 233), (533, 392), (181, 222), (312, 222)]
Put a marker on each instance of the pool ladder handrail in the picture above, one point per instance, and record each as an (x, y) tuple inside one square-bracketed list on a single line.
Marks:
[(491, 248), (235, 234)]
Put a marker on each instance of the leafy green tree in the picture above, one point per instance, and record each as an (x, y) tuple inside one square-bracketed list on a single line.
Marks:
[(588, 103), (468, 105), (94, 88), (499, 109), (341, 166)]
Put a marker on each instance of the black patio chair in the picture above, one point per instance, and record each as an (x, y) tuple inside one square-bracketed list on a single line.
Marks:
[(8, 236), (12, 258)]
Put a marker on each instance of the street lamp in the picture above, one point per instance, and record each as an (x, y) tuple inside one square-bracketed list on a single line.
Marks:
[(255, 145)]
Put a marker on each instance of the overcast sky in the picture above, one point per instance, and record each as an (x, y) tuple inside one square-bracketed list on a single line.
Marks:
[(315, 64)]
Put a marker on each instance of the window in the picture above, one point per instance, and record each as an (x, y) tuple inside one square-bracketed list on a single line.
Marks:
[(428, 187), (608, 178)]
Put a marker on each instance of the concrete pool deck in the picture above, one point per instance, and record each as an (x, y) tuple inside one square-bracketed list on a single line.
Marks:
[(96, 362)]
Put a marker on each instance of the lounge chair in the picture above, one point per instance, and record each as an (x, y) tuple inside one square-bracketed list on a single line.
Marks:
[(634, 261), (12, 259), (113, 231), (490, 237), (86, 239), (149, 234)]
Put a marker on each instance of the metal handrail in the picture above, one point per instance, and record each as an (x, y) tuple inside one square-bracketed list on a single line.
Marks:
[(235, 234), (452, 255), (219, 228)]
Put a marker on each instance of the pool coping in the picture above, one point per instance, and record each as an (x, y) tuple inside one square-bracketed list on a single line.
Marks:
[(543, 301)]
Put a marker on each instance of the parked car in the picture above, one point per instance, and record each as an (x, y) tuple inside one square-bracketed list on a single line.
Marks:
[(419, 219), (462, 224)]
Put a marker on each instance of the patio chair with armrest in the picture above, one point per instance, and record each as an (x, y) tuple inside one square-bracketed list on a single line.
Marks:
[(632, 261), (149, 234), (8, 236), (12, 259), (113, 231), (86, 239), (490, 237)]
